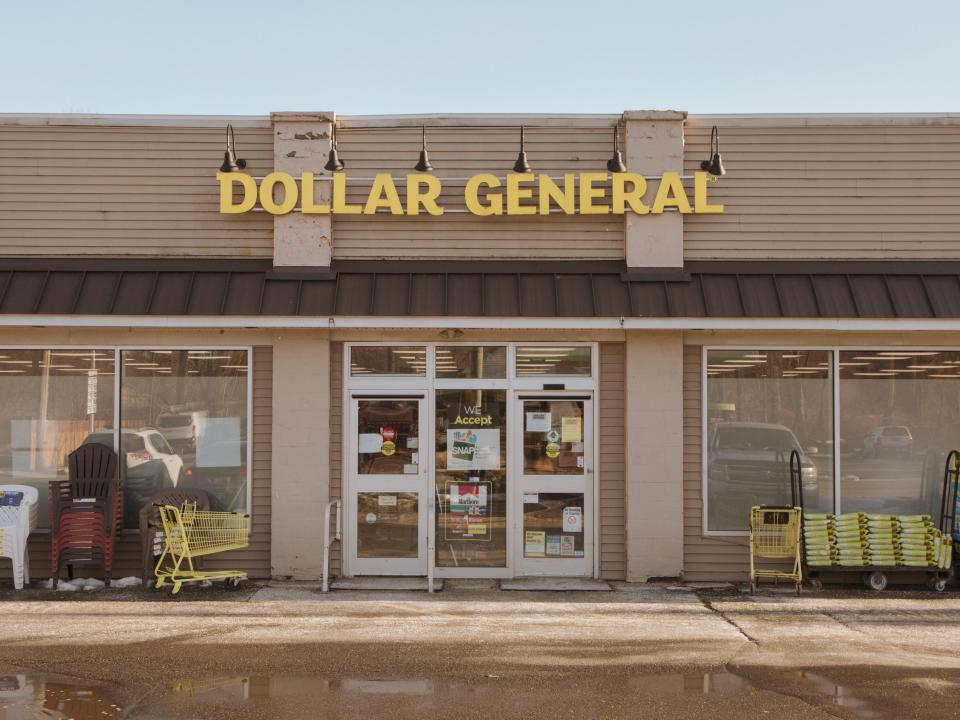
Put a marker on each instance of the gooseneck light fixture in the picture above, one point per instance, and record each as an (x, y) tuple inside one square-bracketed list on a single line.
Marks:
[(615, 163), (714, 165), (333, 159), (231, 163), (521, 165), (423, 164)]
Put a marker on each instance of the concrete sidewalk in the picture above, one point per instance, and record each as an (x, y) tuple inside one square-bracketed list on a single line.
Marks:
[(892, 652)]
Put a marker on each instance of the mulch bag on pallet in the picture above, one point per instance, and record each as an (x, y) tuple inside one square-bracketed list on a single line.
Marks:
[(920, 542), (852, 539), (883, 535), (819, 539)]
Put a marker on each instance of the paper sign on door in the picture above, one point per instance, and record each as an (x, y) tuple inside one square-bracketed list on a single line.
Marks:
[(573, 519), (369, 443), (538, 421), (535, 543), (571, 429)]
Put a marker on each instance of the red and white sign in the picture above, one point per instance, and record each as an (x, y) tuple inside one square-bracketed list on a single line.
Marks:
[(388, 433)]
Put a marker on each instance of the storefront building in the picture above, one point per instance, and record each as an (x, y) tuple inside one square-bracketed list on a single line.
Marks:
[(499, 370)]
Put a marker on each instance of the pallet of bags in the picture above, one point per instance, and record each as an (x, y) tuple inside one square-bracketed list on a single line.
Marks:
[(883, 539), (819, 539), (852, 539)]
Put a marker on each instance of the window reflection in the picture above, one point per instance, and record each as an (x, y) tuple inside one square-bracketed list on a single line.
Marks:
[(184, 424), (53, 400), (388, 437), (553, 360), (899, 416), (466, 361), (387, 360), (761, 406)]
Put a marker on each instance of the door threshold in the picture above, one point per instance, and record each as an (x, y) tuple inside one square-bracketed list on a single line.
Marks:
[(556, 584), (378, 582)]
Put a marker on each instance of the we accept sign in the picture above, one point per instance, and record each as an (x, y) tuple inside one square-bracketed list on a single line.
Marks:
[(593, 193)]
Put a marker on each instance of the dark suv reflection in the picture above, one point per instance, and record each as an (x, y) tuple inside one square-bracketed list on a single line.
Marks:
[(749, 465)]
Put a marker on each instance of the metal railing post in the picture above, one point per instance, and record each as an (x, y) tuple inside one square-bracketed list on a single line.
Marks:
[(325, 587)]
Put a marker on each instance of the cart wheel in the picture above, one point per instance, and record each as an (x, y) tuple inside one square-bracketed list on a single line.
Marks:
[(936, 584), (231, 583), (816, 584), (753, 587), (176, 588), (876, 581)]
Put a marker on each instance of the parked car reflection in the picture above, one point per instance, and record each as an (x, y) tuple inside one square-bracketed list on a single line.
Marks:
[(749, 464), (888, 440), (147, 465)]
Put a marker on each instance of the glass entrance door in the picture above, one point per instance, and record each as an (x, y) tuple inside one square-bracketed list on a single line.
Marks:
[(554, 499), (387, 500)]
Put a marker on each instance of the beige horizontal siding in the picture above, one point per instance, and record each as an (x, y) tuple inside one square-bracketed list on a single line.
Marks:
[(612, 465), (457, 154), (819, 191), (146, 191)]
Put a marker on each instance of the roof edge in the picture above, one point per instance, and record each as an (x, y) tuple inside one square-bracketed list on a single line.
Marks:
[(72, 119)]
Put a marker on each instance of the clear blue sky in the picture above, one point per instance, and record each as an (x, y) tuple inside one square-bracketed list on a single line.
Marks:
[(407, 56)]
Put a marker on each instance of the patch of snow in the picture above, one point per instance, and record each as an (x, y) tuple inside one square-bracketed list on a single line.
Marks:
[(126, 582)]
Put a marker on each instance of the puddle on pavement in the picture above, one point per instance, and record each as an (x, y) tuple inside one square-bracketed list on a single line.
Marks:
[(25, 697), (30, 696)]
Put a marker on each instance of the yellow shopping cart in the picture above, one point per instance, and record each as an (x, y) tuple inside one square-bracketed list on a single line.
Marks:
[(189, 533), (775, 534)]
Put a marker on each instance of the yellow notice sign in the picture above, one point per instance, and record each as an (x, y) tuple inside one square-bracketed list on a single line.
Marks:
[(571, 430), (534, 543)]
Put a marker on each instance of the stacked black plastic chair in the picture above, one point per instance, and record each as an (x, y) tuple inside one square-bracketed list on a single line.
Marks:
[(85, 511)]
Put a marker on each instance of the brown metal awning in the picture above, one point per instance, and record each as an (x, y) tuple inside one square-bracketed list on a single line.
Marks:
[(481, 289)]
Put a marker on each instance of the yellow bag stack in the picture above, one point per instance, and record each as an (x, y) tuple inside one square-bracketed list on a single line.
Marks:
[(852, 539), (920, 542), (820, 539), (883, 540)]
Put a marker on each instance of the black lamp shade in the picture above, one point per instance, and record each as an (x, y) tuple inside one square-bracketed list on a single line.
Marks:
[(713, 164), (231, 163)]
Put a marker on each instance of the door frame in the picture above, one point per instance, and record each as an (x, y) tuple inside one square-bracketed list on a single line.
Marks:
[(590, 488), (356, 483), (388, 386)]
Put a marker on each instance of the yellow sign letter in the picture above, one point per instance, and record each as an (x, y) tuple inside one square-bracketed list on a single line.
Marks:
[(700, 203), (290, 193), (307, 204), (634, 197), (515, 194), (340, 196), (494, 201), (247, 183), (428, 198), (670, 194), (565, 199), (589, 193), (383, 194)]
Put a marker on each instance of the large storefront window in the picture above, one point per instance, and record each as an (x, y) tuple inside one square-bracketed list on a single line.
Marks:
[(471, 471), (761, 406), (183, 421), (899, 416), (53, 400)]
